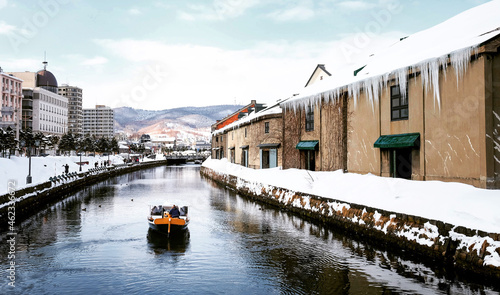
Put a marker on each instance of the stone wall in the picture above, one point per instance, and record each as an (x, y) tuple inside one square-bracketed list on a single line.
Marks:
[(466, 249)]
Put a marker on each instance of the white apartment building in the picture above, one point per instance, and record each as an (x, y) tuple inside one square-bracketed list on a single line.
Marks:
[(75, 110), (99, 121)]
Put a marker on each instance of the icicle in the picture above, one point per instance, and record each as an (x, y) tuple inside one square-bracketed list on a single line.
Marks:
[(401, 80), (460, 60), (430, 74)]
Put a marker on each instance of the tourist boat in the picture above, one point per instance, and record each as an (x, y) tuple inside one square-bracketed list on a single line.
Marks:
[(160, 220)]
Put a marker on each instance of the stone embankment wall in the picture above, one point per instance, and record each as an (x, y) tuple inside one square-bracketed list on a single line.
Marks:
[(29, 200), (464, 248)]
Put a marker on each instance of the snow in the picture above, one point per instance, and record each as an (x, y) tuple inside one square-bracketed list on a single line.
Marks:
[(16, 168), (454, 203), (454, 40)]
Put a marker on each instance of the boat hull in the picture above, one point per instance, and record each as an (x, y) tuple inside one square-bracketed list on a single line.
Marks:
[(164, 227)]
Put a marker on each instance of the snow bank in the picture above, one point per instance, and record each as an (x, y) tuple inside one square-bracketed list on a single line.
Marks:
[(453, 203), (16, 168)]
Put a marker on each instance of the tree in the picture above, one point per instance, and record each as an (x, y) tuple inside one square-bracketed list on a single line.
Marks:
[(40, 137), (103, 145), (89, 144), (67, 142), (53, 140), (79, 144), (27, 140), (3, 141), (114, 145)]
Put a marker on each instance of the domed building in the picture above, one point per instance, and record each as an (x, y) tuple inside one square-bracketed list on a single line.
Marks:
[(46, 80), (44, 110)]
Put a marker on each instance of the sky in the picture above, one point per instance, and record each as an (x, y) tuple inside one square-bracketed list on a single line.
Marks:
[(156, 55)]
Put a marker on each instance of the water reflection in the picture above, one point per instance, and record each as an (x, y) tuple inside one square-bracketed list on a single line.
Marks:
[(306, 257), (176, 242), (233, 246)]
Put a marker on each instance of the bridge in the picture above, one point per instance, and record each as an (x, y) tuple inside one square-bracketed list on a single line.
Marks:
[(174, 159)]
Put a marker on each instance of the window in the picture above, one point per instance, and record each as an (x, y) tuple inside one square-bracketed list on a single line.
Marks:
[(310, 120), (399, 104), (266, 127), (245, 132)]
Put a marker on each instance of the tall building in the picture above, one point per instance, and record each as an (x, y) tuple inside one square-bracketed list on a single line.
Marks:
[(10, 109), (43, 109), (99, 121), (75, 111)]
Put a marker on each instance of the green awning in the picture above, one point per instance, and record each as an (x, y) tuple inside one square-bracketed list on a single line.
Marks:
[(269, 145), (309, 145), (398, 141)]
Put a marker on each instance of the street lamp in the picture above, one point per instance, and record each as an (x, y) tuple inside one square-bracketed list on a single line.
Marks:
[(29, 145)]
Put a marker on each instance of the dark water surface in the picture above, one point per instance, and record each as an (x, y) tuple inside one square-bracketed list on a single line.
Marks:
[(233, 246)]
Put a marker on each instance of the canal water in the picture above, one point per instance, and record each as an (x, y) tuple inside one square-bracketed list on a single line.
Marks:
[(97, 242)]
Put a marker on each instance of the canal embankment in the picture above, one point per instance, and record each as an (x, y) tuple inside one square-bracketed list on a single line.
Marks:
[(459, 229), (17, 205)]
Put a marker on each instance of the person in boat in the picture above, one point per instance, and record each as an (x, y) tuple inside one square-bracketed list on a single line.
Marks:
[(174, 212)]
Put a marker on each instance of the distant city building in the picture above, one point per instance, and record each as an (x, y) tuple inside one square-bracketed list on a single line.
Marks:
[(99, 121), (75, 111), (202, 146), (10, 109), (43, 110)]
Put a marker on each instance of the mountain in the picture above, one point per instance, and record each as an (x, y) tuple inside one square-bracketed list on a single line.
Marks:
[(187, 123)]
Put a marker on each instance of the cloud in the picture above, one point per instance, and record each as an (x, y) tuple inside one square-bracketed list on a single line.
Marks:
[(6, 29), (21, 65), (219, 10), (95, 61), (299, 13), (356, 5), (3, 3), (158, 75), (134, 11)]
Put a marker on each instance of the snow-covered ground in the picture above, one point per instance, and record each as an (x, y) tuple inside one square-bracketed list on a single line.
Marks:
[(454, 203), (16, 168)]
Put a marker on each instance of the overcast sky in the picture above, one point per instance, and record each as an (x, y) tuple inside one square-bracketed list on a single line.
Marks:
[(165, 54)]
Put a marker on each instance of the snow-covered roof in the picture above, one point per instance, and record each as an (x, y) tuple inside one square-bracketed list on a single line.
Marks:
[(454, 41), (273, 109), (162, 138)]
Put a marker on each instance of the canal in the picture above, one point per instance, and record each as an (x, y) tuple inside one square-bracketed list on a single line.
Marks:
[(97, 242)]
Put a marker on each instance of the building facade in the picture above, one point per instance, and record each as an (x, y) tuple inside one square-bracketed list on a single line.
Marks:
[(431, 119), (254, 140), (219, 144), (99, 121), (75, 110), (43, 110), (314, 138), (11, 106)]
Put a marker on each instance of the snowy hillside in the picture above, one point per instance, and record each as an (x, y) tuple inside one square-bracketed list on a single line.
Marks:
[(184, 123)]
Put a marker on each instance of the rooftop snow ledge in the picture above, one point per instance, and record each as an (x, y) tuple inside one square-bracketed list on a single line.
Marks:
[(451, 42), (373, 86)]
